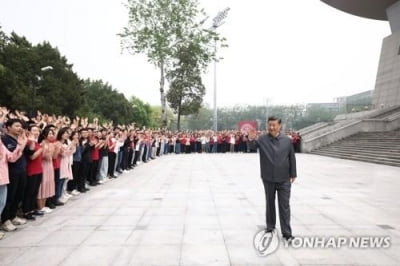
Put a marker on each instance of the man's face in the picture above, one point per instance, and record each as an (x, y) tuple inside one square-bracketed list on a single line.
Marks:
[(274, 127), (84, 134), (15, 129)]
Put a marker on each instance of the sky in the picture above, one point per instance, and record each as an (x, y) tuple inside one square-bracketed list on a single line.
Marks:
[(280, 52)]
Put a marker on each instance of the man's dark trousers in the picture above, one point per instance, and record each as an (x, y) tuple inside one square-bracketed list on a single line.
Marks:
[(283, 189)]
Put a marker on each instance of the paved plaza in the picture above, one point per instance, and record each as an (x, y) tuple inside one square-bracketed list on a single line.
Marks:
[(204, 209)]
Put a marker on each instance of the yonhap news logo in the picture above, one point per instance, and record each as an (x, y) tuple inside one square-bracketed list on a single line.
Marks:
[(353, 242), (266, 243)]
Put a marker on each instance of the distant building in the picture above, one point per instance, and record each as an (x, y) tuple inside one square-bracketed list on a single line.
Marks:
[(359, 102), (355, 103), (330, 107), (346, 104)]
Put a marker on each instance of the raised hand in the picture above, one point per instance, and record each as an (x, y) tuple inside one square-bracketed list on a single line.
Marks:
[(252, 133), (3, 114), (22, 139), (31, 137)]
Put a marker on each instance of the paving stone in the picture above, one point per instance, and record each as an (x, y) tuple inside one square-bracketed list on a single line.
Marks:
[(205, 210)]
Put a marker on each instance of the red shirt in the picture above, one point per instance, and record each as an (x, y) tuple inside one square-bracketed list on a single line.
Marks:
[(95, 151), (110, 143), (56, 163), (34, 167), (95, 154)]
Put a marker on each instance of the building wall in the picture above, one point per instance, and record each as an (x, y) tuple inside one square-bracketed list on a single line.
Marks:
[(387, 86), (393, 14)]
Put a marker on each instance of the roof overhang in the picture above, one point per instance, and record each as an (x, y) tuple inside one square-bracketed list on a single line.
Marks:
[(373, 9)]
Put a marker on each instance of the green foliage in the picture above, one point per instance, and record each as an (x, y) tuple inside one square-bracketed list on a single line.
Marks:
[(203, 119), (159, 28), (318, 114), (155, 118), (26, 86), (102, 100), (142, 112), (186, 92)]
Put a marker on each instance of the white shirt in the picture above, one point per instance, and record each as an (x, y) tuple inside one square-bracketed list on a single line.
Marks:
[(118, 145)]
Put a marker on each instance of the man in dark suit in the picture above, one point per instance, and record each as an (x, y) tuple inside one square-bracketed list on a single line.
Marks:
[(278, 172)]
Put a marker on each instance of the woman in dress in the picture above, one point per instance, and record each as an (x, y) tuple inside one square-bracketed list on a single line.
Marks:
[(47, 186), (67, 149)]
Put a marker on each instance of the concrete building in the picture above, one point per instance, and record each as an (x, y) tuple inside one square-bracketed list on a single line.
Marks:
[(387, 86), (330, 107), (355, 103)]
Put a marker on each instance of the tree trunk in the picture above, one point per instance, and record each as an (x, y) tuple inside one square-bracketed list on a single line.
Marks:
[(163, 99), (178, 124)]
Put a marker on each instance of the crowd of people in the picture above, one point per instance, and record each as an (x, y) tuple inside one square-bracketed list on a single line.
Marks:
[(46, 160)]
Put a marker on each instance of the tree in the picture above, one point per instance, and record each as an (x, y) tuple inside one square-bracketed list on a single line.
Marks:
[(203, 119), (142, 112), (157, 28), (26, 87), (185, 97), (186, 92), (103, 101), (155, 118)]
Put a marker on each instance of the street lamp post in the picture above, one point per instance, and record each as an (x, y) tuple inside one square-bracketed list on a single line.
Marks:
[(217, 22), (34, 88)]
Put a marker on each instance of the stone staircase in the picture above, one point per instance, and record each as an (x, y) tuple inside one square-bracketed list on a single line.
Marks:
[(373, 147), (321, 135)]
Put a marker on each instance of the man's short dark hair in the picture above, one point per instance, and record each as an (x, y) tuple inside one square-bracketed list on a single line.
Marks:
[(12, 121), (274, 118)]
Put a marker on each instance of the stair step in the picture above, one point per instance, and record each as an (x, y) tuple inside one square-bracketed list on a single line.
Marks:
[(363, 159), (393, 155), (349, 155), (374, 148), (364, 147)]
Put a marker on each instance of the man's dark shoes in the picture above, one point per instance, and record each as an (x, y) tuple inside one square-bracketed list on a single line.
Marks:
[(269, 230), (59, 203), (29, 216), (38, 213), (51, 205), (288, 239)]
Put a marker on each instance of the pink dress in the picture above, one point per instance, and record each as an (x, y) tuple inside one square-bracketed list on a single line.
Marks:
[(66, 161), (47, 187)]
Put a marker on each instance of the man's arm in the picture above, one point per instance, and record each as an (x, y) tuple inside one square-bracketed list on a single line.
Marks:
[(292, 164), (253, 144)]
